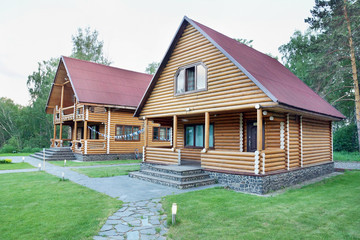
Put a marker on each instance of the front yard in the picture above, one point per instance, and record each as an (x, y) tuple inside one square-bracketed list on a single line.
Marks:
[(37, 205), (107, 171), (326, 210)]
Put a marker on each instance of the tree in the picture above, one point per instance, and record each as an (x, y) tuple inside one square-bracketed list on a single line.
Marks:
[(244, 41), (152, 67), (86, 46)]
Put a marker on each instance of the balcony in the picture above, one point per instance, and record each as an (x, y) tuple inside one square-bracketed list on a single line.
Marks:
[(90, 113)]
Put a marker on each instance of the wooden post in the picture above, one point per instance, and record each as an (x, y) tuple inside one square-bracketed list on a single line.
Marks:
[(53, 142), (259, 129), (207, 130), (61, 110), (175, 131), (146, 132), (85, 129), (108, 131)]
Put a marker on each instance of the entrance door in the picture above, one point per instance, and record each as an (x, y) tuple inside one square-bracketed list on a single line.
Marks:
[(251, 135)]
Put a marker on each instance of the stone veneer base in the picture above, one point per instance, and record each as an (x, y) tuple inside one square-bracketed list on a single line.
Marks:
[(104, 157), (262, 184)]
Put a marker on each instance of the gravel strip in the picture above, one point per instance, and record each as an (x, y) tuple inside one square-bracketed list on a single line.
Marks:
[(347, 165)]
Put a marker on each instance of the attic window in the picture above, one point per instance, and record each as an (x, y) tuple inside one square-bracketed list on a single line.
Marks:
[(191, 78)]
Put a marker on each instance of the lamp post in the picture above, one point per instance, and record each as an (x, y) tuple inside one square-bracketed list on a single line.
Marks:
[(174, 210)]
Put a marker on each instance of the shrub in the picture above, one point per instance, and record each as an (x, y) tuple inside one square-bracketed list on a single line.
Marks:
[(7, 148), (36, 150), (2, 161), (345, 139), (27, 150)]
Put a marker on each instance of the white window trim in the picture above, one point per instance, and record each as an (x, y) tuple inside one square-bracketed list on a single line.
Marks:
[(189, 66)]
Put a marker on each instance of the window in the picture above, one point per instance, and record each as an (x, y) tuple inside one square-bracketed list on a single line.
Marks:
[(161, 133), (122, 130), (191, 78), (195, 136), (94, 134)]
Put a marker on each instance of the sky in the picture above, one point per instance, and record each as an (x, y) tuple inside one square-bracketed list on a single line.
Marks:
[(135, 32)]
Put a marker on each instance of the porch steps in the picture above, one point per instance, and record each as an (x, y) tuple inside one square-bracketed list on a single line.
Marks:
[(181, 177), (55, 154)]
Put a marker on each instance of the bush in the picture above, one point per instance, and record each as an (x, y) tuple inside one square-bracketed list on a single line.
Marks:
[(27, 150), (345, 139), (34, 150), (2, 161), (7, 148)]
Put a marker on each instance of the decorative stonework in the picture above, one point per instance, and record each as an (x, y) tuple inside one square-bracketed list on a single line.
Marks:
[(101, 157), (262, 184)]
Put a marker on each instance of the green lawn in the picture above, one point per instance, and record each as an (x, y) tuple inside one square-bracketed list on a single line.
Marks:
[(12, 166), (92, 163), (326, 210), (37, 205), (14, 154), (107, 171), (347, 156)]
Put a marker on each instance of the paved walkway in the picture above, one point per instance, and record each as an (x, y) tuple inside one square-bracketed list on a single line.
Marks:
[(347, 165)]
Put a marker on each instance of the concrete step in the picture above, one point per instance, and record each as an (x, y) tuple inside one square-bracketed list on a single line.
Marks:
[(56, 154), (54, 158), (171, 183), (176, 177), (173, 169)]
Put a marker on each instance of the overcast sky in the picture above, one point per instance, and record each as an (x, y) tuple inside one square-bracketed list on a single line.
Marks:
[(135, 33)]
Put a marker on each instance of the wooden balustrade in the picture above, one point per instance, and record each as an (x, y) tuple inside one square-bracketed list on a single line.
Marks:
[(161, 155), (274, 160)]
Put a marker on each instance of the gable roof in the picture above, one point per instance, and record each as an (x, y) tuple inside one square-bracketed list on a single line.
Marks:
[(101, 84), (274, 79)]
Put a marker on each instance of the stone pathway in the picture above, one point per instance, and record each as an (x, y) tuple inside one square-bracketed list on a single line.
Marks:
[(136, 220), (347, 165)]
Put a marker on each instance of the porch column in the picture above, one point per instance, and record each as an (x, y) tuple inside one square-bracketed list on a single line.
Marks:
[(53, 142), (75, 130), (146, 123), (175, 131), (207, 130), (259, 129), (61, 109), (85, 129)]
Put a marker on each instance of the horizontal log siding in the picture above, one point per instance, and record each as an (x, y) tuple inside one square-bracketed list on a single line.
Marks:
[(228, 161), (96, 146), (227, 85), (316, 141), (272, 133), (295, 161), (161, 156), (274, 160)]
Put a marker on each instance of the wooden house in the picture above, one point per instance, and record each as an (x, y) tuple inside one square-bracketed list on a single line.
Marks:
[(97, 103), (236, 112)]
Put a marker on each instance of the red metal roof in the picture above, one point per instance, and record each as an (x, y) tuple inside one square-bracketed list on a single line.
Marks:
[(97, 83), (270, 75)]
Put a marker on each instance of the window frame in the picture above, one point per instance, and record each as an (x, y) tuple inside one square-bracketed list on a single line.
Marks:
[(194, 126), (123, 133), (166, 134), (195, 81)]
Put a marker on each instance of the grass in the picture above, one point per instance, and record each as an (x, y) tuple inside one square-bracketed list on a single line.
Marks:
[(326, 210), (14, 154), (37, 205), (12, 166), (92, 163), (347, 156), (107, 171)]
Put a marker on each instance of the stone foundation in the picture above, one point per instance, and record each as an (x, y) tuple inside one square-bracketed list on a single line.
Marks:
[(262, 184), (104, 157)]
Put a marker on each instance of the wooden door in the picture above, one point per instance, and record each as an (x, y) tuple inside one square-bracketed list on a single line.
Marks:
[(251, 138)]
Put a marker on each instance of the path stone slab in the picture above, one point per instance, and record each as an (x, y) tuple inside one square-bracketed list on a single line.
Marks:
[(106, 227), (108, 233), (134, 235), (150, 231), (122, 228)]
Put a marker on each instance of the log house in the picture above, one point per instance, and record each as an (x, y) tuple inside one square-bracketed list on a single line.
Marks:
[(86, 94), (234, 110)]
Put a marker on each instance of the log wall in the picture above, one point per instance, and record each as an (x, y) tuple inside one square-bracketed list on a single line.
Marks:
[(227, 86), (161, 156)]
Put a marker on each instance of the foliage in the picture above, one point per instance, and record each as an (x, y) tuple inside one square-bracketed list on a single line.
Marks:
[(329, 209), (93, 163), (14, 166), (107, 171), (86, 46), (347, 156), (345, 139), (4, 161), (50, 209), (244, 41), (152, 68)]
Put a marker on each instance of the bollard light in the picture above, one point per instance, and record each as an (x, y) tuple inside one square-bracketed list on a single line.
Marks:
[(64, 162), (63, 176), (23, 158), (39, 166), (174, 210)]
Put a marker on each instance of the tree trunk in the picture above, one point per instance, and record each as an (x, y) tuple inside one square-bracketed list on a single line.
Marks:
[(354, 71)]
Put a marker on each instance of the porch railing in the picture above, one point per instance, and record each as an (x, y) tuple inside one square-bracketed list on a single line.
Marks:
[(272, 160), (228, 161), (161, 155)]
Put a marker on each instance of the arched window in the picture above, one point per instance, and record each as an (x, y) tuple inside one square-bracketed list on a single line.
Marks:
[(191, 78)]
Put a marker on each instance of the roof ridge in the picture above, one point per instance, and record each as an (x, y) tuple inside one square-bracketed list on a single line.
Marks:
[(103, 65)]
